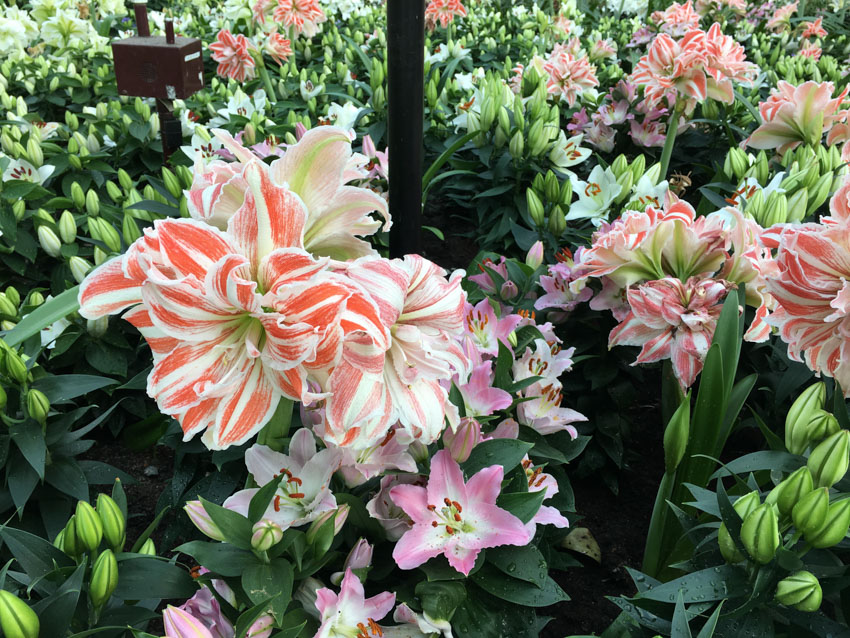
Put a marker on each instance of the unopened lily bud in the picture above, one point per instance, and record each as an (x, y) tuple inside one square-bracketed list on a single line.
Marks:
[(809, 513), (38, 405), (516, 145), (75, 161), (79, 268), (460, 442), (78, 196), (7, 143), (822, 425), (17, 619), (626, 181), (59, 541), (760, 533), (89, 527), (67, 227), (801, 413), (620, 165), (512, 338), (92, 203), (198, 515), (112, 518), (97, 327), (99, 256), (776, 209), (819, 193), (762, 169), (834, 527), (148, 548), (508, 290), (35, 299), (7, 325), (49, 242), (124, 179), (109, 236), (755, 206), (535, 208), (72, 120), (114, 192), (18, 209), (830, 459), (566, 193), (130, 229), (266, 534), (801, 590), (551, 187), (676, 436), (738, 163), (321, 532), (534, 258), (653, 173), (34, 152), (71, 545), (557, 221), (7, 308), (789, 492), (743, 506), (172, 184), (104, 578), (13, 296)]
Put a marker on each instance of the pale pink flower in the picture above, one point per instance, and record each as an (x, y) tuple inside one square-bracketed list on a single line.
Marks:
[(648, 133), (810, 50), (350, 613), (568, 76), (461, 442), (674, 320), (796, 114), (392, 453), (602, 49), (179, 623), (484, 280), (677, 19), (480, 398), (304, 494), (204, 607), (673, 65), (547, 515), (559, 294), (454, 517), (814, 29), (444, 11), (781, 18), (278, 47), (542, 410), (378, 161), (382, 508), (601, 136), (232, 52), (546, 360), (614, 113), (725, 61), (486, 329), (360, 557)]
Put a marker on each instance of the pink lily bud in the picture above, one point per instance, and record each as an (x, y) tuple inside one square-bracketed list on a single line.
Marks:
[(338, 516), (508, 290), (262, 627), (181, 624), (360, 557), (535, 255), (300, 129), (460, 442), (266, 534), (418, 450), (202, 520), (369, 149)]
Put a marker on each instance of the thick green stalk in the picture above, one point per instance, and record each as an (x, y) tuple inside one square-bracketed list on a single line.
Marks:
[(667, 151), (275, 432), (657, 524)]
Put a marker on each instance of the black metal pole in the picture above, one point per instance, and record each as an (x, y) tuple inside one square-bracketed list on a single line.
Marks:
[(405, 102)]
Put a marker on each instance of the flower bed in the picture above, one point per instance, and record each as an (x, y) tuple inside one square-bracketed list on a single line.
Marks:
[(657, 200)]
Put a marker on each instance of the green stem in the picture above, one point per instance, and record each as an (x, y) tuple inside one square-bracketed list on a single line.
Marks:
[(267, 82), (667, 151), (275, 432), (654, 537)]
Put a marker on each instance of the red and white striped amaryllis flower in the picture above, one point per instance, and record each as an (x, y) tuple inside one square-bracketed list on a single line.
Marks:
[(233, 54), (812, 290), (317, 169), (391, 372), (236, 318)]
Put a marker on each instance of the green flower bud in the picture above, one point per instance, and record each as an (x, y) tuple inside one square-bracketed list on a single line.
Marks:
[(148, 548), (760, 533), (536, 138), (114, 192), (108, 235), (743, 506), (92, 203), (676, 435), (114, 525), (786, 495), (7, 308), (71, 120), (35, 298), (97, 327), (797, 420), (18, 209), (829, 461), (776, 209), (67, 227), (37, 405), (34, 152), (79, 268), (819, 192), (13, 296), (626, 181), (535, 208), (801, 590), (834, 527), (810, 512), (517, 145), (755, 206), (186, 176), (78, 196), (89, 528), (762, 169), (49, 242), (822, 425), (504, 121), (70, 543), (75, 161), (59, 541), (104, 578), (266, 534), (99, 256), (129, 229), (551, 187), (519, 117), (557, 221), (17, 619), (16, 369), (124, 179)]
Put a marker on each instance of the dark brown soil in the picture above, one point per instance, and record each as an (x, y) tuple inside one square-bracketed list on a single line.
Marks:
[(619, 523), (458, 249)]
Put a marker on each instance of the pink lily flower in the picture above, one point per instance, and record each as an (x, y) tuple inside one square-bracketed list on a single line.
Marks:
[(559, 294), (383, 509), (350, 613), (547, 515), (543, 412), (484, 281), (235, 319), (360, 557), (674, 320), (548, 361), (205, 607), (454, 517), (479, 396), (460, 442), (304, 495), (486, 330), (358, 466), (179, 623)]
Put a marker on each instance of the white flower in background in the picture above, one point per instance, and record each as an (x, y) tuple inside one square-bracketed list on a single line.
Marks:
[(440, 54), (106, 8), (594, 196), (343, 116), (24, 171), (41, 10), (568, 152), (241, 104), (519, 11), (203, 148), (468, 81), (181, 22), (309, 90), (51, 333), (647, 193), (17, 30), (346, 8), (64, 29)]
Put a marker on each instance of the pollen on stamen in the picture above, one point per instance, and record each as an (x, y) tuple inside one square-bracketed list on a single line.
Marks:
[(277, 503), (296, 495), (450, 530)]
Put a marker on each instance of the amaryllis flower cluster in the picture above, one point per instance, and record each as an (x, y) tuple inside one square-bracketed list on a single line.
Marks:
[(303, 16), (665, 273), (702, 64), (677, 19), (812, 291), (569, 73), (235, 53), (444, 12), (267, 292)]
